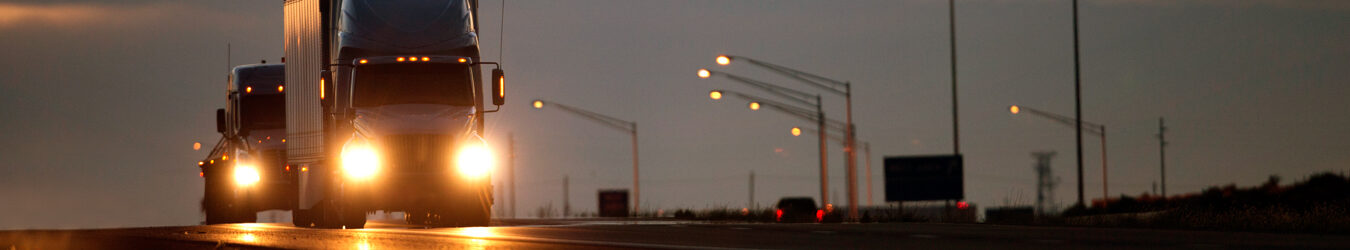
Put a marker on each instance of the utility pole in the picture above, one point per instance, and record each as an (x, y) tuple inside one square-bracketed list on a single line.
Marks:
[(567, 205), (1045, 183), (956, 128), (867, 152), (1162, 155), (1078, 102), (511, 171), (751, 205)]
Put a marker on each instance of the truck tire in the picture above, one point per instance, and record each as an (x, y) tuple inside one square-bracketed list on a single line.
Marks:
[(216, 201), (302, 218)]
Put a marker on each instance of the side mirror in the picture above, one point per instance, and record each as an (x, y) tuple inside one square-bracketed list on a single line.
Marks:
[(498, 87), (220, 120)]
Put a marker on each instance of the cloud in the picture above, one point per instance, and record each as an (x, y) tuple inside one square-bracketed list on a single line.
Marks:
[(1340, 5), (85, 15)]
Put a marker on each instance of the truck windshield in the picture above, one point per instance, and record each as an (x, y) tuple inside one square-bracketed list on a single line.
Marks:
[(262, 111), (412, 83)]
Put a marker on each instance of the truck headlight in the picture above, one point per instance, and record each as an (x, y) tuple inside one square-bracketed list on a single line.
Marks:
[(245, 175), (474, 160), (359, 161)]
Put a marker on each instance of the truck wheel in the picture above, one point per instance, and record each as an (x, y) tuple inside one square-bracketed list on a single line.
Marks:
[(302, 218), (216, 201), (415, 217), (354, 219), (325, 216), (217, 214), (245, 215)]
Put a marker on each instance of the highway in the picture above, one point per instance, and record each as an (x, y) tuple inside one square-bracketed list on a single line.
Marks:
[(662, 234)]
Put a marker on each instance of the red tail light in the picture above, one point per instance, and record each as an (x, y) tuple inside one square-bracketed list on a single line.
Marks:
[(778, 215), (962, 205), (820, 215)]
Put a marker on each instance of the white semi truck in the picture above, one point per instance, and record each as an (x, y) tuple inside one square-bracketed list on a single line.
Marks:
[(384, 111), (246, 172)]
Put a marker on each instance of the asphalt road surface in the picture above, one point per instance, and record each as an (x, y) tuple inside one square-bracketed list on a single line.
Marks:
[(593, 234)]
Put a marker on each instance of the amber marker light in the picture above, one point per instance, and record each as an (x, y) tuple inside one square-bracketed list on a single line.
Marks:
[(248, 89), (796, 131), (426, 59), (400, 59), (281, 88), (723, 60), (1014, 109), (704, 73), (538, 104), (715, 95), (462, 60), (754, 105), (364, 61)]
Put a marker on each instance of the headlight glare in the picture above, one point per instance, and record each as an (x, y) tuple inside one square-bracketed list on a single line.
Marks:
[(360, 161), (245, 175), (474, 161)]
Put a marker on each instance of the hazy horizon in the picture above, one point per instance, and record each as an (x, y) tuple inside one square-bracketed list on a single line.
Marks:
[(102, 102)]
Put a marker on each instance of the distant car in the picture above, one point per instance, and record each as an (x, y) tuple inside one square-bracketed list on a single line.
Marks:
[(797, 209)]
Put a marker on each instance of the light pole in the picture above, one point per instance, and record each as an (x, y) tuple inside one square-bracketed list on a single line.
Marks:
[(867, 156), (833, 86), (616, 123), (817, 116), (1090, 127)]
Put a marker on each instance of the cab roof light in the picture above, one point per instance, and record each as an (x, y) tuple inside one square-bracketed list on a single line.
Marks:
[(364, 61), (462, 60), (424, 59), (400, 59)]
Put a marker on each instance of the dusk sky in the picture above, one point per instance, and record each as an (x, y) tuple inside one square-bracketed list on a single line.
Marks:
[(101, 102)]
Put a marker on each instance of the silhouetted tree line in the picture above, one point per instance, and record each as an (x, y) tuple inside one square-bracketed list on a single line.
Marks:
[(1318, 204)]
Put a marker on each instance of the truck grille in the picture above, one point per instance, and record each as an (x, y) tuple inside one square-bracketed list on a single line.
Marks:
[(271, 162), (416, 153)]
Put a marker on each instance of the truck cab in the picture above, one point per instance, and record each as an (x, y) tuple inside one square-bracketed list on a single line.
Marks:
[(388, 111), (246, 172)]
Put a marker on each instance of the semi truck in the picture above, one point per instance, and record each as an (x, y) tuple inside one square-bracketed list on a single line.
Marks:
[(245, 172), (385, 109)]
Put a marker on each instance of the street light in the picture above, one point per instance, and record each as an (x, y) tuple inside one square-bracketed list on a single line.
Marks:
[(616, 123), (867, 154), (1087, 126), (830, 85), (817, 116), (715, 95)]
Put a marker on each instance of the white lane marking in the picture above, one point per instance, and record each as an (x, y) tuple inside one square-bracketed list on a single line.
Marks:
[(924, 236)]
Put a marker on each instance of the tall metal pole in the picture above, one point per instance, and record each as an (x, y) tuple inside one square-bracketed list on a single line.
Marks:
[(867, 152), (567, 204), (511, 171), (850, 148), (1162, 155), (1078, 102), (1106, 195), (956, 127), (751, 204), (824, 158), (637, 201)]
